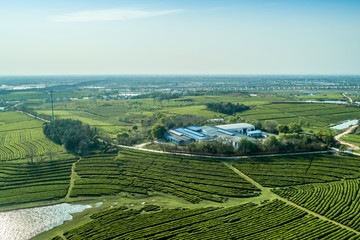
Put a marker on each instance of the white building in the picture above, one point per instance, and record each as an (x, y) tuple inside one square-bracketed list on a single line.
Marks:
[(242, 128)]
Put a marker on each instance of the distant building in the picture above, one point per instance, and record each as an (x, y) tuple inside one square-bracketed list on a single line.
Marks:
[(231, 133), (256, 133), (238, 127)]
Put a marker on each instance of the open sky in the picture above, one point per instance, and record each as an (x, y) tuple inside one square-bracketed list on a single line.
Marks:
[(41, 37)]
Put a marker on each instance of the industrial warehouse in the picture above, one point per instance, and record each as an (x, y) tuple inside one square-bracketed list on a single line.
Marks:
[(232, 133)]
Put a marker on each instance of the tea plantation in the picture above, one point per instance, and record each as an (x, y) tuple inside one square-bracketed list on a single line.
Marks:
[(191, 178), (22, 137), (275, 220), (301, 169)]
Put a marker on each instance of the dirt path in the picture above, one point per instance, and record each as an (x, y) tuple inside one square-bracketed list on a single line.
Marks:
[(349, 98), (141, 145), (272, 195), (349, 130), (72, 180)]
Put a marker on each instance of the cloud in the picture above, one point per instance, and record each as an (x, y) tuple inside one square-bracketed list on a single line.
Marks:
[(117, 14)]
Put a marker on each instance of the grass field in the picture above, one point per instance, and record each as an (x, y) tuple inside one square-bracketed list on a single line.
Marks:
[(87, 118), (323, 97), (10, 121), (318, 115)]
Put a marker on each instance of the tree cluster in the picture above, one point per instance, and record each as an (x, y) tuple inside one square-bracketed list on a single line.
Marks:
[(291, 128), (76, 137), (226, 108)]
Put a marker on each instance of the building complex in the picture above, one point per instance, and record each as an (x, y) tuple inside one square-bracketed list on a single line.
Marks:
[(231, 133)]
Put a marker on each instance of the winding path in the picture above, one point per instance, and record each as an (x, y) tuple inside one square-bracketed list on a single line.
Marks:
[(349, 98), (349, 130)]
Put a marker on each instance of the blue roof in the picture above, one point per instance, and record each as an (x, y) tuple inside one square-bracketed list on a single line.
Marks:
[(195, 128), (191, 134)]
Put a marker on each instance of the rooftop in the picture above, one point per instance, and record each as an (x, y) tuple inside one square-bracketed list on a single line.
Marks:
[(235, 125)]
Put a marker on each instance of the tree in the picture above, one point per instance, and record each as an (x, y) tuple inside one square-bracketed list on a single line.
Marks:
[(247, 146), (158, 131), (76, 137), (271, 125), (325, 136), (343, 148), (271, 144), (226, 108), (283, 128), (295, 128)]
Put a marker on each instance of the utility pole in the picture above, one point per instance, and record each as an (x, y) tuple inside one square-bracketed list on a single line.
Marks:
[(52, 108)]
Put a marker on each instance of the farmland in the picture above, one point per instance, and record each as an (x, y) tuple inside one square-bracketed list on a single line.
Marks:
[(148, 195), (336, 200), (117, 116), (21, 137), (302, 169), (317, 115), (307, 180), (25, 182), (351, 138), (193, 179), (323, 96), (273, 220)]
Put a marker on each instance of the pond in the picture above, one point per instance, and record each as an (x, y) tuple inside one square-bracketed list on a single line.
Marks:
[(26, 223), (345, 124)]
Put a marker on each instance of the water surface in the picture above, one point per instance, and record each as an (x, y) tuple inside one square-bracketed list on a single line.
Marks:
[(345, 124), (26, 223)]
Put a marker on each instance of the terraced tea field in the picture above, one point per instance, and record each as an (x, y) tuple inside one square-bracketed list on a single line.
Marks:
[(22, 137), (352, 139), (275, 220), (301, 169), (25, 182), (338, 201), (191, 178), (24, 143)]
